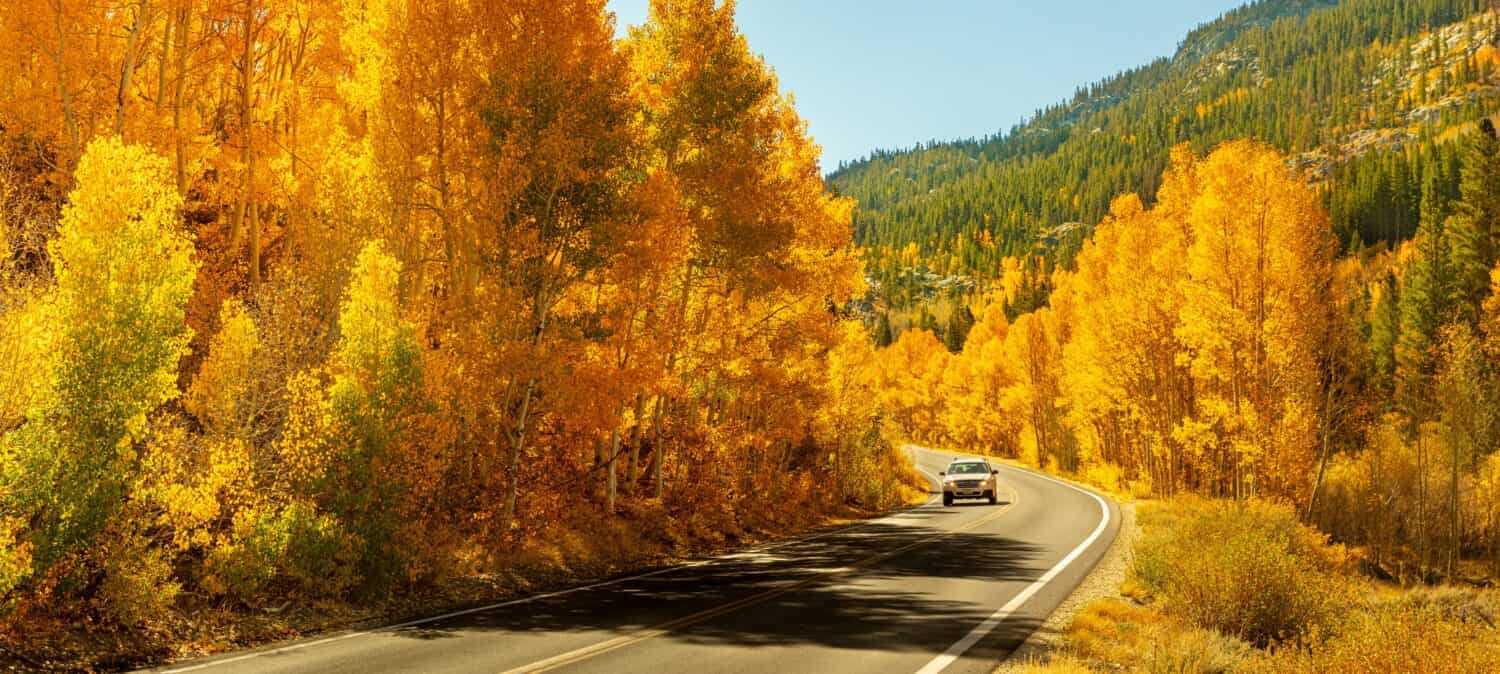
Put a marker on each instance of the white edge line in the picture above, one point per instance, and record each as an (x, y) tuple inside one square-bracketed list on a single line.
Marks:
[(537, 597), (983, 629)]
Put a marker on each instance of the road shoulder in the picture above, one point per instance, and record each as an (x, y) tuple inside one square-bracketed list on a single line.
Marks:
[(1102, 582)]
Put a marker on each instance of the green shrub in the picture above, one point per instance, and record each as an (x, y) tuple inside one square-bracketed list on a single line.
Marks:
[(242, 566), (321, 553), (307, 549), (1249, 570)]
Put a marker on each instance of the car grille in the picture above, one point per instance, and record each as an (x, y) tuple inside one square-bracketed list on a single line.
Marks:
[(968, 484)]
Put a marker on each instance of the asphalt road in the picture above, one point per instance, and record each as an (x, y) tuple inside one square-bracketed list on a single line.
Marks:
[(924, 590)]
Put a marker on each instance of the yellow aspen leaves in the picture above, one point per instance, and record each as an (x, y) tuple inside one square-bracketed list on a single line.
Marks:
[(1183, 347), (124, 273), (220, 396)]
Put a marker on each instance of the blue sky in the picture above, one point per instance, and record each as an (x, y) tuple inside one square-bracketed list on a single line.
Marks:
[(891, 73)]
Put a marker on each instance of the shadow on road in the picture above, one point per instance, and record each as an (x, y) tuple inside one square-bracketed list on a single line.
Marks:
[(824, 592)]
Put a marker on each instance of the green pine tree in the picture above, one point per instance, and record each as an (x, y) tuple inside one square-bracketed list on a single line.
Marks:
[(883, 333), (927, 321), (960, 321), (1468, 267), (1356, 244), (1471, 232), (1423, 303), (1385, 329)]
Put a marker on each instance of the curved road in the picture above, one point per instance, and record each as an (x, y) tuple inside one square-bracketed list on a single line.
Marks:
[(925, 590)]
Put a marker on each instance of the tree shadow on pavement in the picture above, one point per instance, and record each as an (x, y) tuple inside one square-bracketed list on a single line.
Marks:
[(873, 586)]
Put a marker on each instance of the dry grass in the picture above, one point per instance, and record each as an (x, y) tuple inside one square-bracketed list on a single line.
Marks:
[(1249, 570), (1059, 665), (1115, 634), (1424, 632), (1213, 579)]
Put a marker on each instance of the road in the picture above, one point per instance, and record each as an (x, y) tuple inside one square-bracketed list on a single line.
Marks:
[(924, 590)]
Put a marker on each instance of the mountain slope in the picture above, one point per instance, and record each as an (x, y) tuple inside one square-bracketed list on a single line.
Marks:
[(1325, 81)]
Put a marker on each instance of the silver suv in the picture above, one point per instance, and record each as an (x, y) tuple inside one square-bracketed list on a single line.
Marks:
[(969, 478)]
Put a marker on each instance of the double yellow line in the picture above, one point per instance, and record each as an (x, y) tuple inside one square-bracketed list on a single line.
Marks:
[(595, 650)]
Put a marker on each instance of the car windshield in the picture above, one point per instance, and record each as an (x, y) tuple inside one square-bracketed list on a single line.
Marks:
[(968, 469)]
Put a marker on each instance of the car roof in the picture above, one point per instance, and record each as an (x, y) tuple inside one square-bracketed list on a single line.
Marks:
[(958, 461)]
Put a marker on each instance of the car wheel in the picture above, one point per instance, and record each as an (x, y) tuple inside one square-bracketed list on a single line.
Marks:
[(993, 500), (947, 499)]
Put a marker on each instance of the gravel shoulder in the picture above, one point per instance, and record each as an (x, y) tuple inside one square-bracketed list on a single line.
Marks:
[(1103, 583)]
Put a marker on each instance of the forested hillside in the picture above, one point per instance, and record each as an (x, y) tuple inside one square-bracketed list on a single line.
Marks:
[(1384, 81)]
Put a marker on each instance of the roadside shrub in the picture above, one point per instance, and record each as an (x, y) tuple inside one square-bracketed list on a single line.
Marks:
[(1249, 570), (1104, 475), (1061, 664), (1141, 488), (1450, 603), (877, 473), (1178, 649), (250, 559), (193, 486), (310, 550), (138, 587)]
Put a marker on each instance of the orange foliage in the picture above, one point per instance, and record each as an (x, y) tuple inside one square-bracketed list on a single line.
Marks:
[(588, 297)]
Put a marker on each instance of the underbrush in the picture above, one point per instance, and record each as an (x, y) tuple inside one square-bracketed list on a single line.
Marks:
[(1418, 631), (1231, 587), (1248, 570)]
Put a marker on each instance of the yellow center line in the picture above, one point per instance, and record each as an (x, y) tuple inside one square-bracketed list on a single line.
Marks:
[(594, 650)]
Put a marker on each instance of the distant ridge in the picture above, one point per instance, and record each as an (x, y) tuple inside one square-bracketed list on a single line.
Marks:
[(1324, 80)]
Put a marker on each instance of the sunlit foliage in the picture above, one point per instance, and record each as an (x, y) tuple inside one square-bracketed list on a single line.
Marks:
[(113, 332), (348, 297)]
